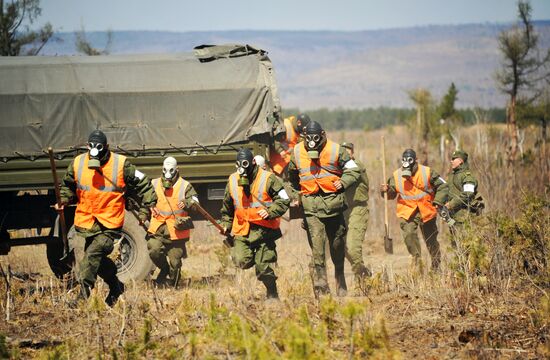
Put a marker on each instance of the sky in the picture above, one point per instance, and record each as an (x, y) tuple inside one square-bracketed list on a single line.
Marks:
[(213, 15)]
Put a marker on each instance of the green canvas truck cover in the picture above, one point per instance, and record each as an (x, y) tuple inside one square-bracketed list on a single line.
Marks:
[(215, 95)]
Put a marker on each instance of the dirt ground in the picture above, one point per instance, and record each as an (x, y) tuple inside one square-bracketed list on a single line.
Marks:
[(423, 315), (418, 310)]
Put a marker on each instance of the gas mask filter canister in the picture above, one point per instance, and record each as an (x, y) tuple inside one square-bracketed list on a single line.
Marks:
[(95, 150), (242, 170)]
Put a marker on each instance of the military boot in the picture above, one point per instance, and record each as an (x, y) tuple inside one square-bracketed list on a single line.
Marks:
[(436, 261), (161, 277), (417, 265), (320, 283), (175, 275), (115, 290), (341, 287), (271, 289), (364, 272)]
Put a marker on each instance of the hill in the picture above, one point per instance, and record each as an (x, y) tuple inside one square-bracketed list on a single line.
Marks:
[(350, 69)]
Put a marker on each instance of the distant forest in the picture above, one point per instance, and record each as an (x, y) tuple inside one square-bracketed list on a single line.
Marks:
[(376, 118)]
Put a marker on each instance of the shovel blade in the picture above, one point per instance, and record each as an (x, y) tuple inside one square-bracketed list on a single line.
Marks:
[(388, 244), (68, 257)]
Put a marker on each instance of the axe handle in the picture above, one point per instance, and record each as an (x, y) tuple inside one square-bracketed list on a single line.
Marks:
[(386, 222), (207, 216), (61, 213)]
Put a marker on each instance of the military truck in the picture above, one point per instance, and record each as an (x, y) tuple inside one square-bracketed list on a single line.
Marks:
[(199, 107)]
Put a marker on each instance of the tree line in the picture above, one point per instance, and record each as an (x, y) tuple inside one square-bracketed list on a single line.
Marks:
[(379, 117), (523, 76)]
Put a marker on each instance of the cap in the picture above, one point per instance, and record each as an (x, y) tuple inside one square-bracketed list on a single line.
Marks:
[(347, 145), (460, 154)]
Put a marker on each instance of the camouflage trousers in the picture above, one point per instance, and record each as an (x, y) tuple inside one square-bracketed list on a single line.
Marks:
[(320, 231), (357, 220), (96, 261), (429, 232), (162, 247), (260, 254)]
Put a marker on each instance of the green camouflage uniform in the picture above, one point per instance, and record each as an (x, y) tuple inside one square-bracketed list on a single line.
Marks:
[(161, 246), (324, 220), (429, 229), (99, 239), (357, 217), (258, 247), (461, 204)]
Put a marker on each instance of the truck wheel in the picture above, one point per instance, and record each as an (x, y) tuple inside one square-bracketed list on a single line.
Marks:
[(133, 261)]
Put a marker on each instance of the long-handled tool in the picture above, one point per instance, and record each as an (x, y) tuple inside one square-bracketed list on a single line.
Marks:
[(388, 242), (60, 212), (229, 239), (133, 206)]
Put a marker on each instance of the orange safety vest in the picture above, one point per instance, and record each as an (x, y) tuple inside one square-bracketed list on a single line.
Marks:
[(320, 175), (246, 208), (167, 205), (415, 192), (100, 196), (278, 162)]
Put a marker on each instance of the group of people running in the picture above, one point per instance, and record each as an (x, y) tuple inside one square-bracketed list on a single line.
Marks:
[(306, 170)]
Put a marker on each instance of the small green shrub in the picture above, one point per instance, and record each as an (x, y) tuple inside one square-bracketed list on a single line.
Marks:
[(500, 244), (4, 349)]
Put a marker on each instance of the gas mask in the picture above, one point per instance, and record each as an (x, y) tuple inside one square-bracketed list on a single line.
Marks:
[(170, 172), (407, 162), (314, 139), (313, 142), (245, 166), (97, 149)]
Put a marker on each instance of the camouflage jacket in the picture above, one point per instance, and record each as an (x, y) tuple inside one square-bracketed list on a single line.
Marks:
[(462, 198), (358, 193)]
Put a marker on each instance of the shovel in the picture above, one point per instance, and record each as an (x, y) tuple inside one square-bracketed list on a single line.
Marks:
[(68, 255), (388, 242)]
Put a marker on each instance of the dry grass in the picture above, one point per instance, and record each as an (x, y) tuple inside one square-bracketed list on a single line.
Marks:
[(219, 311)]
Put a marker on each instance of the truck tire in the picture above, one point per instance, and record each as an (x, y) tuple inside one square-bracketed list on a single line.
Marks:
[(132, 256), (133, 262)]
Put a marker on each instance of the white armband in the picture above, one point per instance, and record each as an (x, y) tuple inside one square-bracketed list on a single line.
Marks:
[(350, 165), (139, 174), (283, 195), (195, 199), (440, 178), (469, 187)]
